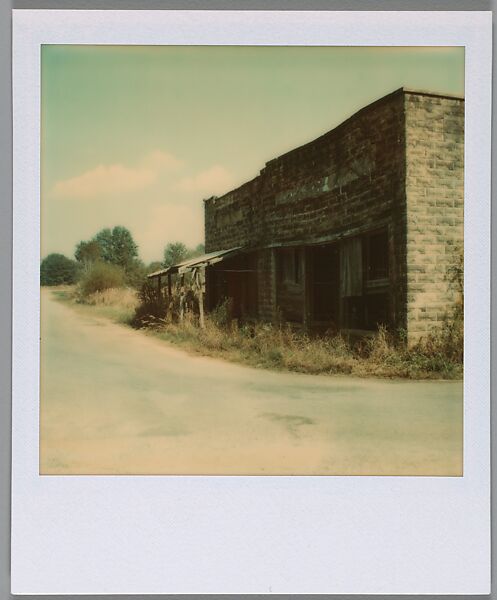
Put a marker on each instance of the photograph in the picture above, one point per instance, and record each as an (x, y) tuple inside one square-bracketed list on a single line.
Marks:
[(252, 260)]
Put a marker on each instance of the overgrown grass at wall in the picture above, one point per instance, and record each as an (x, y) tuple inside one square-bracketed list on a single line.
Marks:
[(278, 347), (385, 354), (438, 356)]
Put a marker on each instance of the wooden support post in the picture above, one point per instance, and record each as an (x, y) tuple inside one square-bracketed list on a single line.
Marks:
[(200, 275), (182, 299), (159, 291), (169, 286)]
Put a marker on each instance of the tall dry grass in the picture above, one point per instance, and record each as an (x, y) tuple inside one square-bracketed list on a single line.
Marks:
[(439, 354), (280, 347), (117, 304), (124, 298)]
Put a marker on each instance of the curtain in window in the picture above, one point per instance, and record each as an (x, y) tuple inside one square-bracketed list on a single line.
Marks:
[(351, 268)]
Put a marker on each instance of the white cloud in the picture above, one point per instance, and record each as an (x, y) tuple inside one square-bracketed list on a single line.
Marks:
[(214, 180), (162, 224), (105, 180), (162, 161), (158, 202)]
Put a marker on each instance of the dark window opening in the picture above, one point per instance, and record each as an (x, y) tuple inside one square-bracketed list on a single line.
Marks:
[(377, 256), (377, 309), (353, 312), (365, 281), (233, 280), (325, 283), (351, 267), (366, 312), (296, 266), (289, 267)]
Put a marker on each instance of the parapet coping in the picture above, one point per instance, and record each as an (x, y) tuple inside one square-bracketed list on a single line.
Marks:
[(419, 92)]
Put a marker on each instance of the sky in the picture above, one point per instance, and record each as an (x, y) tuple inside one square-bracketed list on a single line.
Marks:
[(139, 135)]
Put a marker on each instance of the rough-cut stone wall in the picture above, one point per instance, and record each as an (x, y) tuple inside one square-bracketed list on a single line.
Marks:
[(435, 193), (233, 219), (348, 181), (398, 164), (348, 178), (266, 273)]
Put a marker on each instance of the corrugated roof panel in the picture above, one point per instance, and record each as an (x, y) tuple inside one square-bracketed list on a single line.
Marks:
[(185, 265)]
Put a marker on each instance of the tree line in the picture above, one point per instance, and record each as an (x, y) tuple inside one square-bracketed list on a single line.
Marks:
[(110, 254)]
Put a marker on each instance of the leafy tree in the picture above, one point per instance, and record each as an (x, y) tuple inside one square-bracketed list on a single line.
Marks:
[(136, 273), (198, 251), (155, 265), (88, 252), (115, 246), (124, 249), (174, 253), (104, 239), (57, 269)]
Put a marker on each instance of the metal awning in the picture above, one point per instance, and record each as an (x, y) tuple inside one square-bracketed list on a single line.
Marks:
[(205, 260)]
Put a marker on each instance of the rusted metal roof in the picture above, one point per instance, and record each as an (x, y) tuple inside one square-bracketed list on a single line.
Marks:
[(204, 260)]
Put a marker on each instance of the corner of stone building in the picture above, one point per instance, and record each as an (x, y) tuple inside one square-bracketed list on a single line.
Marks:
[(434, 208)]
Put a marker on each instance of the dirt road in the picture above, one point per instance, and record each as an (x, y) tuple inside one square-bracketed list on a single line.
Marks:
[(116, 401)]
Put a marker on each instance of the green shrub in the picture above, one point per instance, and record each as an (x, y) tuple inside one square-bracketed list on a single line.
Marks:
[(99, 277), (57, 269), (136, 274), (152, 306), (221, 315)]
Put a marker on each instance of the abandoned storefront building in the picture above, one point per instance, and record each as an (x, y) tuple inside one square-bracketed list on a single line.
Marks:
[(353, 230)]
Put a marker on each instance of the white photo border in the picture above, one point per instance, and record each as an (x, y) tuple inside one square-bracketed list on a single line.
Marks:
[(170, 534)]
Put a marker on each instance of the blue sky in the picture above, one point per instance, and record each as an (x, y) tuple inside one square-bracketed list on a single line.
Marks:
[(139, 135)]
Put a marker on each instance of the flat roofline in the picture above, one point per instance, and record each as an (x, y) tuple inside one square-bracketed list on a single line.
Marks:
[(364, 109), (418, 92)]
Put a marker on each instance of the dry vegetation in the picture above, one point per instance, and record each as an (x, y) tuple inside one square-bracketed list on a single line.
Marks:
[(386, 354), (279, 347), (117, 304)]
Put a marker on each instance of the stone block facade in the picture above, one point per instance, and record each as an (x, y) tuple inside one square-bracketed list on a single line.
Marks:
[(434, 206), (389, 177)]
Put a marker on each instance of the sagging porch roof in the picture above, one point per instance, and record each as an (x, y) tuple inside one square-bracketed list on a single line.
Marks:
[(204, 260)]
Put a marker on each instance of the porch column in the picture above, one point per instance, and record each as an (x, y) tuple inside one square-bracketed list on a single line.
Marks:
[(182, 298), (200, 276)]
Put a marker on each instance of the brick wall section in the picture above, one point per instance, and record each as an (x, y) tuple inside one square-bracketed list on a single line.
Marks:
[(435, 191), (349, 180)]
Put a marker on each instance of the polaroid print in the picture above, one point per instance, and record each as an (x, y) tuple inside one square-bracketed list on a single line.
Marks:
[(249, 257), (252, 260)]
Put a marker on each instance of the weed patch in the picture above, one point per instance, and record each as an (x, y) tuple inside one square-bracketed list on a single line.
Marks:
[(116, 304), (280, 347)]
